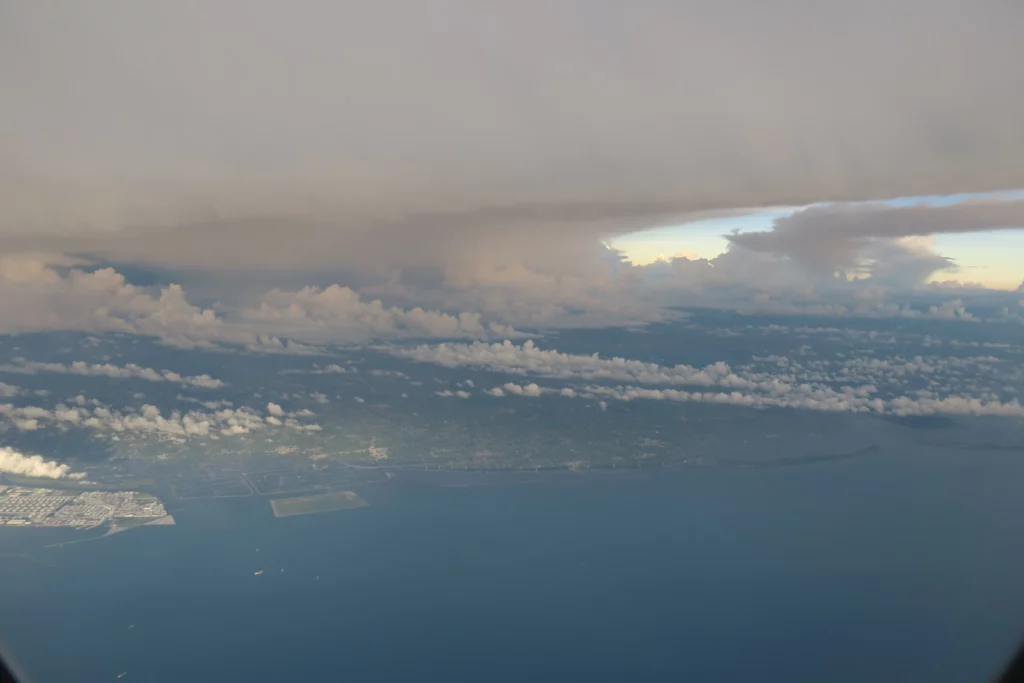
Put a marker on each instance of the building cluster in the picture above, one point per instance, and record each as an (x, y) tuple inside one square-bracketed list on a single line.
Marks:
[(22, 506)]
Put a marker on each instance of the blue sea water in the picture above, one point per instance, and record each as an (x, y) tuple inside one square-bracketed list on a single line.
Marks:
[(904, 568)]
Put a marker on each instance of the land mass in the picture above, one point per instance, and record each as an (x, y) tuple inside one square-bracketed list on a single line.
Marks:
[(22, 506), (324, 502)]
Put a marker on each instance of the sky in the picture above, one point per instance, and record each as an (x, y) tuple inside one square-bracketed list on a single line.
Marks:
[(294, 178), (994, 259), (225, 171)]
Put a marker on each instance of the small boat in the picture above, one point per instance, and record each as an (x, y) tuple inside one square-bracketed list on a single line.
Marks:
[(122, 674), (258, 572)]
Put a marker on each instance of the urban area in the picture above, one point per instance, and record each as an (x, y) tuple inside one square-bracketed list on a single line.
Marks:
[(23, 506)]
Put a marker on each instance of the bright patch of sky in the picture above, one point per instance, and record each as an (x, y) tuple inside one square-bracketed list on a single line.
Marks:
[(699, 239), (994, 259)]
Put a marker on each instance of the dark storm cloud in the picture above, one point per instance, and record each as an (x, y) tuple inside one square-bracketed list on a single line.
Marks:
[(380, 126)]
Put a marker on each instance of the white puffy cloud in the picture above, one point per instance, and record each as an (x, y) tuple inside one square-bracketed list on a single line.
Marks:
[(147, 420), (275, 410), (8, 390), (822, 400), (33, 465), (339, 312), (131, 370), (529, 359), (447, 392), (953, 308), (802, 397), (41, 292), (389, 373), (211, 405), (977, 385), (514, 389), (38, 292)]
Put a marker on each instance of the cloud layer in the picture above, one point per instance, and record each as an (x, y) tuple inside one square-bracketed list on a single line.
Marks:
[(41, 292), (402, 133), (897, 385), (48, 292)]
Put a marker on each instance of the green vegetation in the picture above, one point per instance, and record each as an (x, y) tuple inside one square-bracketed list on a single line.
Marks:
[(305, 505)]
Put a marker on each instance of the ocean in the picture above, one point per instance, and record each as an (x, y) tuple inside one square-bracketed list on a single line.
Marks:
[(901, 568)]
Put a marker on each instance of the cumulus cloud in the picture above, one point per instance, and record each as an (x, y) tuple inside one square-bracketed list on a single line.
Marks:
[(447, 392), (44, 292), (131, 370), (802, 397), (33, 465), (975, 385), (391, 373), (149, 419), (529, 359), (38, 293), (514, 389), (339, 313), (821, 401)]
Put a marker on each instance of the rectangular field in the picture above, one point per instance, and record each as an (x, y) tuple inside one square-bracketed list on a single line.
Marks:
[(324, 502)]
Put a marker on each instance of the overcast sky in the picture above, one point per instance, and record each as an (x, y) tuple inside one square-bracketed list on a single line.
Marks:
[(491, 142)]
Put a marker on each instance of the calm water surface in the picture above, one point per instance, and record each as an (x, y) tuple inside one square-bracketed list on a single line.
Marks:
[(902, 568)]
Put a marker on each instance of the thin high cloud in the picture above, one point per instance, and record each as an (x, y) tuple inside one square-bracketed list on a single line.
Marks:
[(398, 133)]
